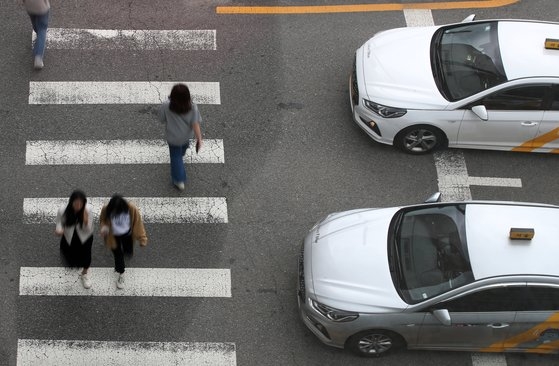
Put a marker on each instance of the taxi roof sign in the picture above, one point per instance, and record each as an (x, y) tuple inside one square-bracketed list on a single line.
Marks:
[(521, 233), (552, 43)]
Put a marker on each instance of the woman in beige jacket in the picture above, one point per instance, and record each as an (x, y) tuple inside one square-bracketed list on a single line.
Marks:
[(121, 225)]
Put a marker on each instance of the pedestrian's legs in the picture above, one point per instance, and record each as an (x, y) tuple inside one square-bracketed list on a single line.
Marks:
[(33, 21), (178, 173), (119, 255), (127, 245), (40, 24), (85, 255)]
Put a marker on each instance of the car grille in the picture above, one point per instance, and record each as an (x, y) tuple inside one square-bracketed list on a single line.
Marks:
[(301, 277), (353, 85)]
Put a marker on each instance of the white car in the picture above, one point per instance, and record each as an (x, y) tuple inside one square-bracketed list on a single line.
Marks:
[(471, 276), (477, 84)]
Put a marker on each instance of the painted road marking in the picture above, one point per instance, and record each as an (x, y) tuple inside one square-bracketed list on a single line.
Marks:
[(418, 18), (117, 92), (38, 352), (163, 282), (158, 210), (488, 359), (129, 39), (320, 9), (454, 181), (94, 152)]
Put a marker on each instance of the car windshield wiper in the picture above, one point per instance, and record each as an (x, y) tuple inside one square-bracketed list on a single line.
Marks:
[(395, 259)]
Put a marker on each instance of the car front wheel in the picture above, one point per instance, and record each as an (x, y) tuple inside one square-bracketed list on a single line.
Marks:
[(374, 343), (419, 139)]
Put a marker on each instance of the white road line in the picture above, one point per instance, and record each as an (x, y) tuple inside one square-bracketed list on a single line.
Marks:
[(454, 181), (159, 210), (117, 92), (94, 152), (38, 352), (164, 282), (129, 39), (495, 182), (418, 17), (488, 359)]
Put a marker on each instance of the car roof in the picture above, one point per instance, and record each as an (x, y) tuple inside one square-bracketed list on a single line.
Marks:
[(522, 45), (492, 252)]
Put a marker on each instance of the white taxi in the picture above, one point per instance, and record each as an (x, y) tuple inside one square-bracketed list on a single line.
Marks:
[(490, 84), (477, 276)]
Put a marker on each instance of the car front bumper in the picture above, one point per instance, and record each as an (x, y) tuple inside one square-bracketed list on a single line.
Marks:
[(365, 119)]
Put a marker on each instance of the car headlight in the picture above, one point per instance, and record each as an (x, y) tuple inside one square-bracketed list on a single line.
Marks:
[(333, 314), (384, 111)]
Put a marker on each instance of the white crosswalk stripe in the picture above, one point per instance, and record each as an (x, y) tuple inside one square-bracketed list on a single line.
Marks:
[(117, 92), (37, 352), (159, 210), (95, 152), (129, 39), (168, 282)]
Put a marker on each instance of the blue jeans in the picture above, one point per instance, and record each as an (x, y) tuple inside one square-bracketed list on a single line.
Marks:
[(40, 24), (178, 172)]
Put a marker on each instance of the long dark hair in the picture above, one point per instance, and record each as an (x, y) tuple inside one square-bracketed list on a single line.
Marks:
[(70, 216), (117, 205), (181, 102)]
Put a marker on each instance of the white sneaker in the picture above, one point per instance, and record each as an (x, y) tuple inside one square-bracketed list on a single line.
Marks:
[(86, 281), (120, 281), (180, 185), (39, 62)]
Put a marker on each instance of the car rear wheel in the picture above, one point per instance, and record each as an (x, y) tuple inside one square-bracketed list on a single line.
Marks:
[(419, 139), (374, 343)]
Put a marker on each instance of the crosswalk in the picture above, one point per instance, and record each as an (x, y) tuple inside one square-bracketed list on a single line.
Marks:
[(141, 282)]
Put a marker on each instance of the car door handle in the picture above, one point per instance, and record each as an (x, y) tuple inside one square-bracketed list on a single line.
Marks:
[(529, 123), (498, 325)]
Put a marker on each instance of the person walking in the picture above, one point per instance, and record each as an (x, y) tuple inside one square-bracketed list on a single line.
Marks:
[(182, 123), (74, 224), (38, 11), (121, 225)]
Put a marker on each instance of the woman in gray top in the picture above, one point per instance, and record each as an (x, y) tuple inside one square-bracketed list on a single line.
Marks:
[(182, 123)]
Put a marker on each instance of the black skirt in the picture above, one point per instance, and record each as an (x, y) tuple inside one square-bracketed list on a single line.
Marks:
[(76, 253)]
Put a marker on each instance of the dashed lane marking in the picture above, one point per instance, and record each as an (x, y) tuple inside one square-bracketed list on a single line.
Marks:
[(94, 152)]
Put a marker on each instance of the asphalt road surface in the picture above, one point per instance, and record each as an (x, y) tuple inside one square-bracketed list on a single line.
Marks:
[(287, 153)]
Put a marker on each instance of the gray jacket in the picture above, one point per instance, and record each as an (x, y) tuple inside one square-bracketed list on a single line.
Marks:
[(178, 127), (36, 7)]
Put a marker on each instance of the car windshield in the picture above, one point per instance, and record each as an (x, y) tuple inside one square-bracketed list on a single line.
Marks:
[(466, 59), (428, 253)]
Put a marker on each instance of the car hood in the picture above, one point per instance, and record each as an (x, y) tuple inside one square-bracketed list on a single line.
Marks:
[(397, 69), (350, 263)]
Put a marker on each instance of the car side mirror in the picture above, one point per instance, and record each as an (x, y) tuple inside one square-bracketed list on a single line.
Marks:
[(469, 18), (443, 316), (436, 197), (481, 112)]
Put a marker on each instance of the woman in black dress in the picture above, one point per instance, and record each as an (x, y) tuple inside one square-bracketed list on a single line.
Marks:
[(74, 224)]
